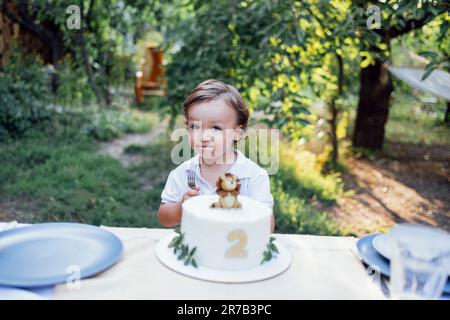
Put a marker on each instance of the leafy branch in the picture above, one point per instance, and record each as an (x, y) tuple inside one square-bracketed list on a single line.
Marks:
[(182, 250), (271, 251)]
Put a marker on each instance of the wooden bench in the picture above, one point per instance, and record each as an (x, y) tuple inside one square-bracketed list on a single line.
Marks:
[(150, 80)]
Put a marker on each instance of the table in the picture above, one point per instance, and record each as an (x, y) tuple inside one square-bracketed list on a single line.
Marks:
[(322, 268)]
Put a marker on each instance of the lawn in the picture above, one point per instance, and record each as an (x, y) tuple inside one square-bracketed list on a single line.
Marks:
[(60, 176)]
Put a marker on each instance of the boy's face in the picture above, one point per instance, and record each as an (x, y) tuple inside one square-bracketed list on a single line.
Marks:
[(212, 129)]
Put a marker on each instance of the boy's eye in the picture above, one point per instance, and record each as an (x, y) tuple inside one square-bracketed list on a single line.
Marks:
[(217, 128), (194, 126)]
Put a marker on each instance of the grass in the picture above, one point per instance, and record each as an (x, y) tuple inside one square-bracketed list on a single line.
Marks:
[(294, 214), (61, 177)]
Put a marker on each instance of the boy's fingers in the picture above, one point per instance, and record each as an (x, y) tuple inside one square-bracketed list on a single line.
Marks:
[(193, 192)]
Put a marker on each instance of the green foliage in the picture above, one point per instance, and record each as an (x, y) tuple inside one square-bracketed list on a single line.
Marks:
[(23, 96), (74, 88), (435, 36), (108, 124), (285, 57), (27, 105), (182, 250), (102, 49), (270, 252), (431, 42), (272, 50)]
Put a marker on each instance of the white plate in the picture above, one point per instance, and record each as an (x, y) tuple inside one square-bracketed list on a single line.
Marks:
[(267, 270), (9, 293), (424, 240), (383, 244)]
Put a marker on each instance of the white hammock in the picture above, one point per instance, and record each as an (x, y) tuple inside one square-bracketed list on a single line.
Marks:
[(437, 83)]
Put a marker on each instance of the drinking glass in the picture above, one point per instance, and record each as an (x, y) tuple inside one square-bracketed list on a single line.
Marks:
[(417, 272)]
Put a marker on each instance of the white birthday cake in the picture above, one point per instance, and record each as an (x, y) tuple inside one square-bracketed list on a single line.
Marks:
[(226, 231)]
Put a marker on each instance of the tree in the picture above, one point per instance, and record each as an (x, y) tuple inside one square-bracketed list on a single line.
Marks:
[(281, 56), (440, 58), (399, 18), (49, 34), (108, 31)]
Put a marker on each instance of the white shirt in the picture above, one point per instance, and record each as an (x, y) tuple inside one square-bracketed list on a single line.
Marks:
[(254, 180)]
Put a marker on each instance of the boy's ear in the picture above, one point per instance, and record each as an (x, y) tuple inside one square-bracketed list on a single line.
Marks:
[(239, 133)]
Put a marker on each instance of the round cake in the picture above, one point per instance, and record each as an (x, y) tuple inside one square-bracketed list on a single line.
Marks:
[(226, 238)]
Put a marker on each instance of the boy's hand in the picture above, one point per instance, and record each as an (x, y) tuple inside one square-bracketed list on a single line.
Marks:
[(191, 193)]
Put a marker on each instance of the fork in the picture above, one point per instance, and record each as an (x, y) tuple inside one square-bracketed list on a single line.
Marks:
[(384, 281), (191, 177)]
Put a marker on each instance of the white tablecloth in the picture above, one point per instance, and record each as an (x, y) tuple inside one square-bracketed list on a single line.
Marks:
[(322, 268)]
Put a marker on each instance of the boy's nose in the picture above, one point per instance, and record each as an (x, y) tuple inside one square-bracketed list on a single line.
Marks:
[(207, 135)]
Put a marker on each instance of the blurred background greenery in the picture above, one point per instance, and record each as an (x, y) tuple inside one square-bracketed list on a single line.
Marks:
[(357, 144)]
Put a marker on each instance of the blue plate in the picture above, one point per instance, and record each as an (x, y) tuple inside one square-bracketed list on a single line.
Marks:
[(50, 253), (372, 258)]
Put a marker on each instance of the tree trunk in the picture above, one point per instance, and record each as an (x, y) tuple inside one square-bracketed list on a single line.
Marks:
[(48, 34), (334, 110), (55, 61), (376, 83), (373, 106), (85, 57), (87, 66), (447, 113), (334, 139)]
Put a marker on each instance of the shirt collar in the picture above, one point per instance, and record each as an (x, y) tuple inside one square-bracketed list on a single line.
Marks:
[(239, 168)]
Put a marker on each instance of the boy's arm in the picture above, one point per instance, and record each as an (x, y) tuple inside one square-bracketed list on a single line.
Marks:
[(272, 227), (170, 214)]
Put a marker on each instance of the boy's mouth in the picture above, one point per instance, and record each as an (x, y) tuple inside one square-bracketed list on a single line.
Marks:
[(206, 150)]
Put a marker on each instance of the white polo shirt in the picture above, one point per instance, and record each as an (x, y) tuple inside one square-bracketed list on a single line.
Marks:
[(254, 180)]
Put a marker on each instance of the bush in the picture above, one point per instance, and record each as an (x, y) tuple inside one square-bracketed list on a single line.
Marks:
[(106, 124), (26, 103), (74, 88), (23, 96)]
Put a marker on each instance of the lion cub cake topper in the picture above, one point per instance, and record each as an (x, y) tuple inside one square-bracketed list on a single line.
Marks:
[(228, 187)]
